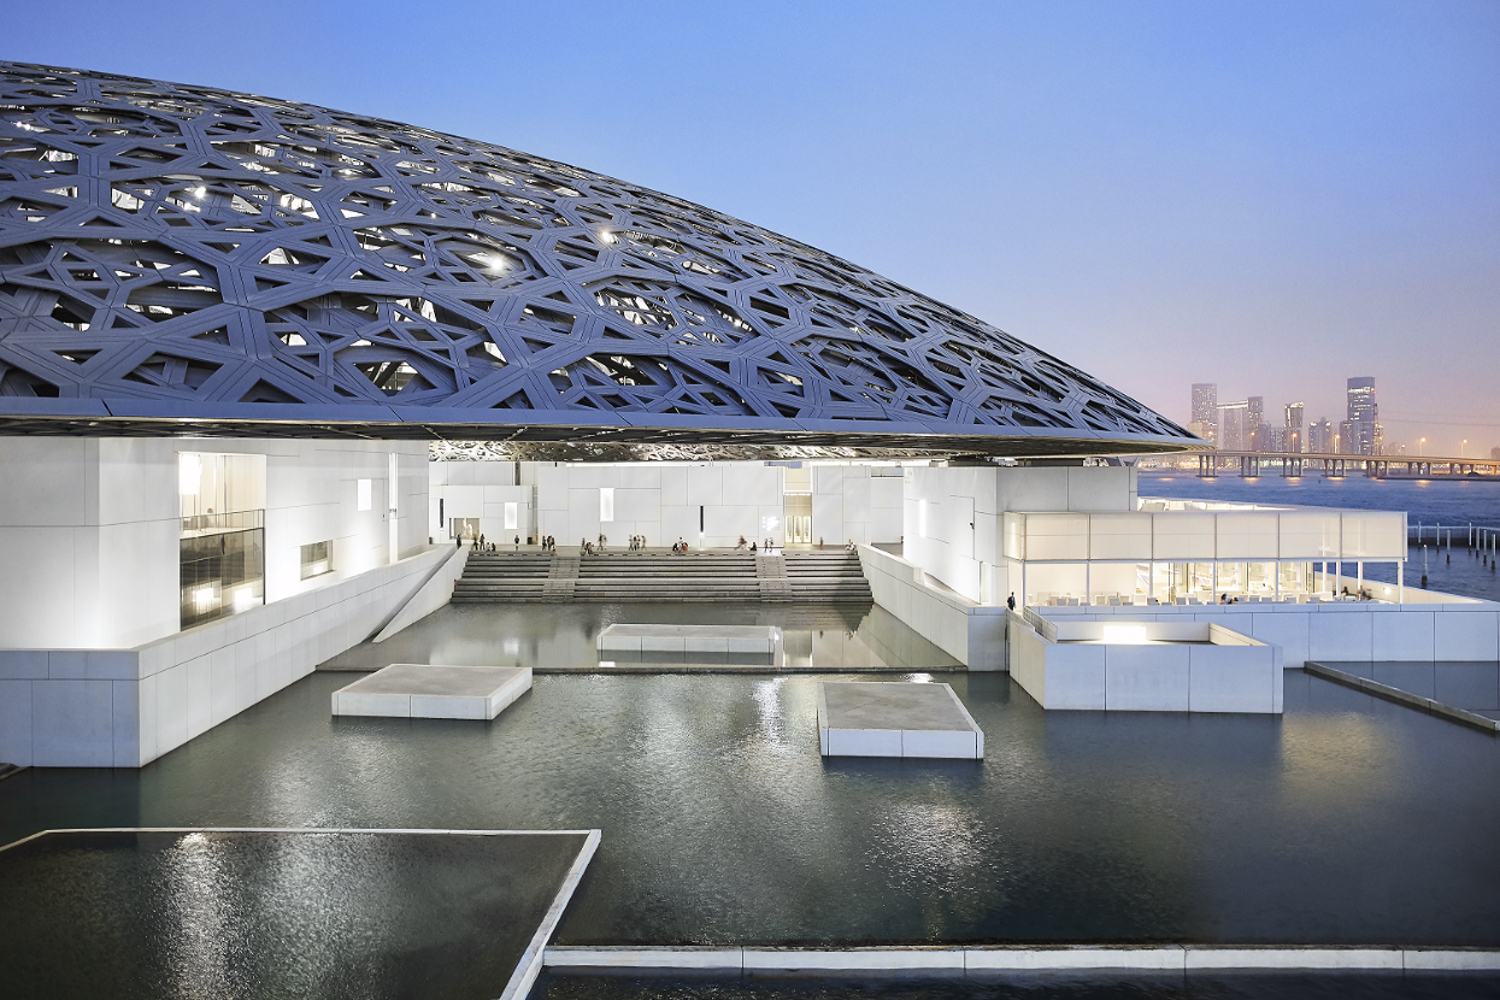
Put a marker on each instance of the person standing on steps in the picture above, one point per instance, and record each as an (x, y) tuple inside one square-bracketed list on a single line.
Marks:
[(1010, 602)]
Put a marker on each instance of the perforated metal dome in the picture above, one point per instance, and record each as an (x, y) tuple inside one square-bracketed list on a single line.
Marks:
[(172, 253)]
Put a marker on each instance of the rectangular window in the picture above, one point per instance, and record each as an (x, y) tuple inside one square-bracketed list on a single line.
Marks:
[(512, 515), (363, 492), (317, 559), (221, 534), (221, 573), (606, 503)]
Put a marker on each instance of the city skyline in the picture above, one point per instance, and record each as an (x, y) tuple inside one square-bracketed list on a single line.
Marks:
[(1248, 424), (1158, 192)]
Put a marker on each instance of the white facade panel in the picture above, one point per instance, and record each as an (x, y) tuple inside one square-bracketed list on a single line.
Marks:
[(1307, 534), (1057, 536), (1184, 536), (1244, 534), (1120, 536)]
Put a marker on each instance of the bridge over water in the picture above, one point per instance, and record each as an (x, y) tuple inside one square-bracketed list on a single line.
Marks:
[(1289, 463)]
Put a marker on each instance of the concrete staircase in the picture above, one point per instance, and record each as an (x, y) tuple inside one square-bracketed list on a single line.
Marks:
[(831, 577), (615, 577), (505, 576), (652, 576)]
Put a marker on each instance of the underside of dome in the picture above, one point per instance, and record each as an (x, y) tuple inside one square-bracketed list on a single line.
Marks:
[(183, 260)]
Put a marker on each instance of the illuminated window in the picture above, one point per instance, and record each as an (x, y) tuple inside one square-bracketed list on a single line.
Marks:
[(364, 494), (606, 503), (317, 559), (512, 514)]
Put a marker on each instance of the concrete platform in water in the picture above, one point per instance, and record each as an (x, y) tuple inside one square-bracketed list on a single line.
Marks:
[(677, 638), (430, 691), (873, 719)]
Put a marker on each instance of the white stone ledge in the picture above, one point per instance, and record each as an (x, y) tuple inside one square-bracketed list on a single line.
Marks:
[(1021, 958)]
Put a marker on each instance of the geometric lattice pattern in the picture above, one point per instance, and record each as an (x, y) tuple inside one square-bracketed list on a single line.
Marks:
[(169, 244)]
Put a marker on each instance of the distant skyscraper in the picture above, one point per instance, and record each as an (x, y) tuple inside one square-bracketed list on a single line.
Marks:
[(1291, 439), (1320, 437), (1205, 422), (1234, 434), (1257, 432), (1361, 432)]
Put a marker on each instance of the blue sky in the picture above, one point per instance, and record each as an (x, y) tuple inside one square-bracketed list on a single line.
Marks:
[(1273, 196)]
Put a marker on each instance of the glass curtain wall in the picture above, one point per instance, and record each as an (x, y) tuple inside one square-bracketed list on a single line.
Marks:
[(222, 537)]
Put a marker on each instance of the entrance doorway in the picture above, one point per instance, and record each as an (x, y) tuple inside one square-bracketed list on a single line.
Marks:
[(796, 505)]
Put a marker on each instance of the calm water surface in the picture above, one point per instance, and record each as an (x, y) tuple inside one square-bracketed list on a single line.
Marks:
[(1347, 820)]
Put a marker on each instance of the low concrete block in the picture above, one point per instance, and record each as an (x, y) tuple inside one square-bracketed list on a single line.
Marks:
[(863, 742), (1150, 678), (855, 960), (1294, 958), (920, 743), (871, 719), (716, 959), (1450, 959), (430, 691), (1072, 957)]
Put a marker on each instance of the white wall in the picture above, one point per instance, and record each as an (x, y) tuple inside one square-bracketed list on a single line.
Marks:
[(1343, 630), (89, 528), (973, 635), (661, 501), (126, 707), (1228, 674), (941, 504), (857, 503), (479, 490)]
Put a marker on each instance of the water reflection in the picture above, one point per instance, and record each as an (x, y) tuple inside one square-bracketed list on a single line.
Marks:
[(833, 638)]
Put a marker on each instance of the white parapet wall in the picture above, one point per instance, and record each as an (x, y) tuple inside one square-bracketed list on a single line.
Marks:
[(1170, 666), (90, 528), (971, 633), (434, 594), (126, 707), (1359, 631)]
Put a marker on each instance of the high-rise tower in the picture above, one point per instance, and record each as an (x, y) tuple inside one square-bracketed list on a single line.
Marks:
[(1361, 432), (1205, 419), (1292, 436)]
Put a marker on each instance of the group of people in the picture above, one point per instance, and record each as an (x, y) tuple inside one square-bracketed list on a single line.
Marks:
[(481, 544), (637, 544)]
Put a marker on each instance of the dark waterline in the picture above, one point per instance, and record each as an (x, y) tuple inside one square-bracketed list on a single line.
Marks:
[(1241, 986)]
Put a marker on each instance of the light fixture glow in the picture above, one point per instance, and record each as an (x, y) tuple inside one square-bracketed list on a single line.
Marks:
[(189, 473), (244, 599), (605, 236), (203, 599), (1125, 635)]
